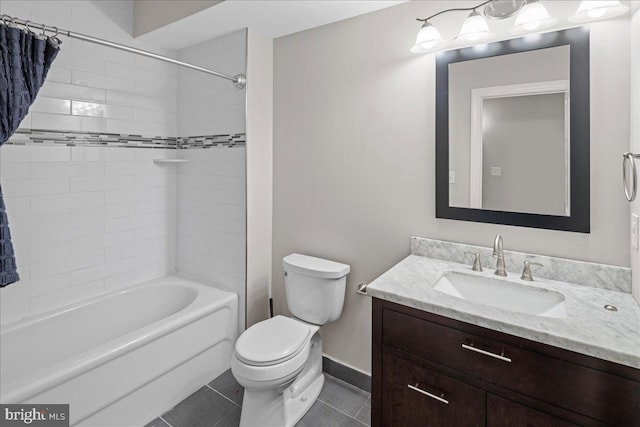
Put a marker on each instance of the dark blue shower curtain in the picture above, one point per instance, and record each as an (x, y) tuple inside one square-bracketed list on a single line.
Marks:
[(25, 59)]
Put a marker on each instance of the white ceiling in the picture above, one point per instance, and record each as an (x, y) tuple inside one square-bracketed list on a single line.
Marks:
[(272, 18)]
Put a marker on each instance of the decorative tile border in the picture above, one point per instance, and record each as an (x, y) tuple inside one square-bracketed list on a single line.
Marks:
[(600, 276), (91, 139)]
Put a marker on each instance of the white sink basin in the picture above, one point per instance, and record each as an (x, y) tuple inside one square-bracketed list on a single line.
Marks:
[(504, 294)]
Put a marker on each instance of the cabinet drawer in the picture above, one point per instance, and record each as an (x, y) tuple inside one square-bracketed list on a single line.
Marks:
[(414, 396), (584, 390), (505, 413)]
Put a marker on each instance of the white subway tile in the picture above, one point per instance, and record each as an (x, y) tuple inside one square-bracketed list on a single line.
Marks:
[(79, 169), (49, 186), (12, 170), (99, 272), (87, 244), (83, 78), (80, 215), (59, 74), (16, 187), (120, 210), (49, 251), (31, 153), (88, 154), (45, 219), (120, 224), (80, 62), (91, 109), (66, 264), (91, 124), (92, 183), (17, 205), (118, 182), (55, 122), (44, 104), (124, 154), (141, 101), (48, 169), (69, 91), (68, 200), (118, 239)]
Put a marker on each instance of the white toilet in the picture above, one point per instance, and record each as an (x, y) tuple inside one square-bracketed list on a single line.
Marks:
[(279, 360)]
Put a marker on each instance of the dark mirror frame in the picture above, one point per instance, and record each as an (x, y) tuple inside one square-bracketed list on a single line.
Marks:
[(579, 132)]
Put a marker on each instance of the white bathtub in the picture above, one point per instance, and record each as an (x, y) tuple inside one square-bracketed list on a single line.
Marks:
[(123, 358)]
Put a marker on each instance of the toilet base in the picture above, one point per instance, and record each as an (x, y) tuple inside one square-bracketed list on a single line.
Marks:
[(284, 406)]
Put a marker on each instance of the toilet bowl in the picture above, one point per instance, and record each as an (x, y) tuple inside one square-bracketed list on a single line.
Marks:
[(279, 361)]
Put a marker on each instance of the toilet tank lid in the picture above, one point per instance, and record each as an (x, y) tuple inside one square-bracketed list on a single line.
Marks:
[(315, 267)]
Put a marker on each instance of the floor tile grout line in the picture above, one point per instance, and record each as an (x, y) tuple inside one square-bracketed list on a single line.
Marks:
[(342, 412), (224, 396), (166, 422), (362, 407)]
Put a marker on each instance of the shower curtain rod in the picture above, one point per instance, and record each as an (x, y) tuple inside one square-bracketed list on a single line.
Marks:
[(239, 80)]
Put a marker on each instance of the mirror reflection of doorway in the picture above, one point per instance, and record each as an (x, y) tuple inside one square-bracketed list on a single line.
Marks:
[(519, 148)]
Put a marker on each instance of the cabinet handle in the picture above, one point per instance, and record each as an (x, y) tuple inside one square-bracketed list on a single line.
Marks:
[(426, 393), (486, 353)]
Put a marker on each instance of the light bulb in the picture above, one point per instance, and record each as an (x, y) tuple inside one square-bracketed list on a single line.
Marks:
[(428, 40), (595, 10), (532, 17), (474, 30)]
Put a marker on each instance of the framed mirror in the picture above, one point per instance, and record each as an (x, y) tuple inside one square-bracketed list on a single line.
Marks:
[(512, 132)]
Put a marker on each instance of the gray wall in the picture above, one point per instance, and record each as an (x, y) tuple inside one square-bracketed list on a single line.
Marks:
[(526, 139), (354, 158)]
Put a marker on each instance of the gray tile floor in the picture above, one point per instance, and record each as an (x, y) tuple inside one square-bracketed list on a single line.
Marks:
[(218, 404)]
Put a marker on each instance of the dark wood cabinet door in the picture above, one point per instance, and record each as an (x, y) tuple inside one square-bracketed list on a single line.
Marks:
[(414, 396), (505, 413)]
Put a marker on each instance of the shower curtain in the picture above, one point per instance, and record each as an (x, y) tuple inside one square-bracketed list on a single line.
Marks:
[(25, 59)]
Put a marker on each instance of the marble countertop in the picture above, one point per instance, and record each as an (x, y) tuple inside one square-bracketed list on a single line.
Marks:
[(588, 328)]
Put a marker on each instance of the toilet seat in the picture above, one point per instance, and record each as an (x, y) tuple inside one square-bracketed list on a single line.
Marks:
[(273, 350), (272, 341)]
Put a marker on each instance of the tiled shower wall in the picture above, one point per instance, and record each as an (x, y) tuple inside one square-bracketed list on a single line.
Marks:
[(208, 105), (211, 218), (212, 186), (86, 220)]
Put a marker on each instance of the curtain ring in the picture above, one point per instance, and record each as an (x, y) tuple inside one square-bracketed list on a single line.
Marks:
[(4, 18), (26, 24), (44, 30)]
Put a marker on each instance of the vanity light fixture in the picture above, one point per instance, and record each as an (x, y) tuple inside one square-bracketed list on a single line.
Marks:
[(532, 17), (475, 29), (596, 10), (429, 39)]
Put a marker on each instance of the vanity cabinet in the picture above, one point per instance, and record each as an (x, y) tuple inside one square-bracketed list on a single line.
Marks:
[(434, 371)]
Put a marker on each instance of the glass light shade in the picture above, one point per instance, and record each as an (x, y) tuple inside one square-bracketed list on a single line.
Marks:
[(596, 10), (474, 30), (428, 40), (532, 17)]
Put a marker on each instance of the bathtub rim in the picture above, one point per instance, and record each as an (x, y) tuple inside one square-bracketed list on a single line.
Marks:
[(65, 370)]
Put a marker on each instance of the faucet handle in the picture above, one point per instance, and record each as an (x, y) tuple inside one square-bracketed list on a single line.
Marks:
[(477, 265), (526, 271)]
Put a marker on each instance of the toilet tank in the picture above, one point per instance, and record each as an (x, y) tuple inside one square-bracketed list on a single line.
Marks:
[(315, 287)]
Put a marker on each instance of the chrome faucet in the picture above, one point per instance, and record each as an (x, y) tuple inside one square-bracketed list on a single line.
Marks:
[(498, 252)]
